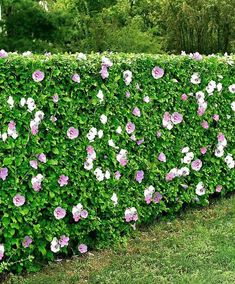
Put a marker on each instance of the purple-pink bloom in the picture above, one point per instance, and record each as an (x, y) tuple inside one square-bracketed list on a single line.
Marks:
[(117, 175), (197, 56), (76, 78), (139, 176), (176, 118), (42, 158), (26, 241), (170, 176), (162, 157), (184, 97), (84, 214), (205, 124), (218, 188), (104, 72), (130, 127), (128, 94), (157, 72), (158, 134), (139, 142), (55, 98), (59, 213), (38, 76), (157, 197), (63, 180), (221, 137), (63, 241), (82, 248), (3, 173), (201, 110), (203, 150), (72, 133), (12, 125), (136, 112), (19, 200), (34, 164), (37, 186), (3, 53), (196, 165), (216, 117), (34, 129)]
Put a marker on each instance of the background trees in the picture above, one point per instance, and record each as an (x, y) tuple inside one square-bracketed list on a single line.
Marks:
[(150, 26)]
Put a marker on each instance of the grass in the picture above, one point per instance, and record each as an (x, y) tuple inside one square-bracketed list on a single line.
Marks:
[(197, 247)]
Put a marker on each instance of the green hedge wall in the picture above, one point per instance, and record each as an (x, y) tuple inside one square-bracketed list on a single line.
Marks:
[(92, 146)]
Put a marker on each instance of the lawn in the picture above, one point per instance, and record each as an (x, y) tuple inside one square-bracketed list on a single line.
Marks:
[(198, 246)]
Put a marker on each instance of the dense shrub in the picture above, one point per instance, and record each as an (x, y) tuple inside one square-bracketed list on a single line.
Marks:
[(91, 146)]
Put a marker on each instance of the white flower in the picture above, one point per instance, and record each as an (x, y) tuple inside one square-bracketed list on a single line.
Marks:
[(200, 190), (231, 165), (107, 62), (185, 150), (228, 159), (107, 174), (200, 95), (148, 192), (233, 106), (184, 171), (127, 76), (195, 79), (119, 130), (232, 88), (100, 133), (88, 165), (114, 198), (100, 96), (103, 119), (146, 99), (188, 158), (10, 101), (55, 246), (99, 175), (169, 125), (2, 249), (39, 115), (31, 104), (77, 209), (22, 102), (4, 136), (219, 87), (112, 144), (219, 151), (81, 56)]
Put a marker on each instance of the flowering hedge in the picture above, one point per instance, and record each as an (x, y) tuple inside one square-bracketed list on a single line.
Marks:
[(92, 146)]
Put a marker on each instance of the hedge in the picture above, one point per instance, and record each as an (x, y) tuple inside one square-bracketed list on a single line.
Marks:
[(93, 146)]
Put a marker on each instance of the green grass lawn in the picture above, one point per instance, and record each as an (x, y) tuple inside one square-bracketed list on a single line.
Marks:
[(196, 247)]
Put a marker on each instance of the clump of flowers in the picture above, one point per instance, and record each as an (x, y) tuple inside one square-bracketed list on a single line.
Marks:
[(127, 76), (106, 63), (152, 196), (229, 161), (222, 143), (122, 157), (37, 182), (200, 189), (34, 124), (175, 172), (169, 120), (78, 212), (131, 214), (56, 244), (91, 156)]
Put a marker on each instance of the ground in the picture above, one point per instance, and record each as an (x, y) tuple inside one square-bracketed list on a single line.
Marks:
[(196, 247)]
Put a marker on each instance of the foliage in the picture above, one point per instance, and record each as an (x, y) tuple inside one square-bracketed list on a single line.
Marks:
[(38, 139)]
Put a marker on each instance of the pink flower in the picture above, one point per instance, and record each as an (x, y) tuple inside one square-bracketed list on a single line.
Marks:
[(197, 56), (157, 197), (37, 186), (158, 134), (90, 150), (139, 142), (63, 180), (221, 137), (196, 165), (216, 117), (63, 241), (218, 188), (146, 99), (176, 118), (139, 176), (26, 241), (3, 53), (205, 124), (136, 112), (203, 150), (3, 173), (72, 133), (123, 161), (84, 214), (38, 76), (59, 213), (170, 176), (162, 157), (130, 127), (34, 164), (82, 248), (55, 98), (34, 129), (128, 94), (184, 97), (42, 158), (104, 72), (117, 175), (12, 125), (19, 200), (76, 78), (157, 72), (201, 110)]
